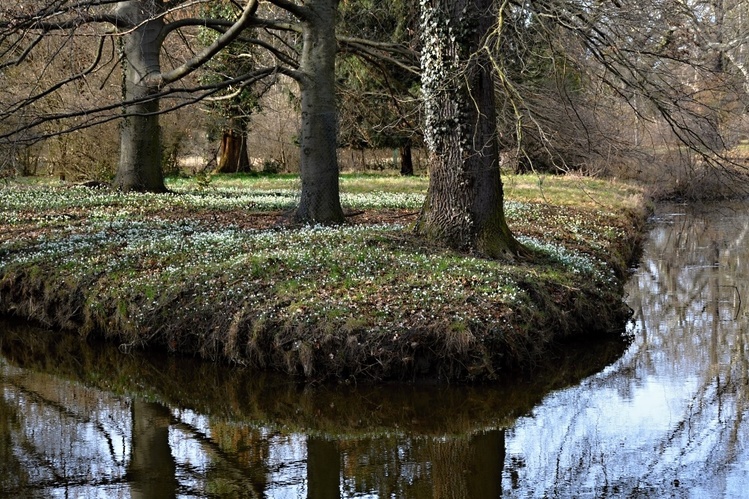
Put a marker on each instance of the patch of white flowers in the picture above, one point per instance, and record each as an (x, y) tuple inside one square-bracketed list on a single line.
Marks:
[(514, 209), (19, 205), (407, 200), (577, 262), (359, 272)]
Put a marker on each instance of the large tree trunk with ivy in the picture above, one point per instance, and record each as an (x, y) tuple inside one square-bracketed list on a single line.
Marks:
[(140, 138), (320, 199), (464, 205)]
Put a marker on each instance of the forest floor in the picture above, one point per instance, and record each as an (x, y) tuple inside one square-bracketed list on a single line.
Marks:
[(217, 269)]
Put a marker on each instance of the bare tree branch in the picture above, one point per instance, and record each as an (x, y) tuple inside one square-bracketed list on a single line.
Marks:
[(222, 41)]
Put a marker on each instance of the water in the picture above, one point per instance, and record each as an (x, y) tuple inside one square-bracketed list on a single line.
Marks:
[(668, 418), (663, 416)]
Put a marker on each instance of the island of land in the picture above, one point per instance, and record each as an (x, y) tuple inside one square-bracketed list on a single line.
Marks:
[(216, 268)]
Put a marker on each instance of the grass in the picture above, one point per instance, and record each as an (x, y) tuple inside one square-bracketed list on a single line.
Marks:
[(572, 190), (350, 183), (215, 270)]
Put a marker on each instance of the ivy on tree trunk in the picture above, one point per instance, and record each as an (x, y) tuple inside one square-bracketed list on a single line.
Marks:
[(464, 204)]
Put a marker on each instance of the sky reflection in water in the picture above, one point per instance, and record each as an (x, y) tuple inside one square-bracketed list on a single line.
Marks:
[(669, 417), (666, 418)]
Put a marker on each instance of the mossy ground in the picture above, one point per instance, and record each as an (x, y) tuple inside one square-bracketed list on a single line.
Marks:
[(217, 269)]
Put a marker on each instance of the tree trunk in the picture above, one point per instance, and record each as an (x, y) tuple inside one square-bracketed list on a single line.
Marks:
[(323, 469), (140, 137), (233, 151), (151, 471), (407, 164), (320, 199), (464, 205)]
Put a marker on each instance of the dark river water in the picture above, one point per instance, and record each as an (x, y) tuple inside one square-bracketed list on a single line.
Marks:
[(660, 416)]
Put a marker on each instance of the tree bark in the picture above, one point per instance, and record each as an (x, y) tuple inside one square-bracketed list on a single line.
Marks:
[(140, 136), (233, 156), (407, 164), (464, 204), (320, 197)]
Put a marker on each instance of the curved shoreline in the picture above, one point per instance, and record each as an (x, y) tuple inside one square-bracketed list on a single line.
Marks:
[(363, 301)]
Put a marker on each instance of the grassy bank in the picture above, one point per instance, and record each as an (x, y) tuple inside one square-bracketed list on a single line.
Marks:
[(216, 269)]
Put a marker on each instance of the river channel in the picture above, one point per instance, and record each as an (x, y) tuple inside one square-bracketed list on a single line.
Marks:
[(664, 414)]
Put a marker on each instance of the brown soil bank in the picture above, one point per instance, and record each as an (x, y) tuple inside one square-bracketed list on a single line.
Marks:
[(363, 301)]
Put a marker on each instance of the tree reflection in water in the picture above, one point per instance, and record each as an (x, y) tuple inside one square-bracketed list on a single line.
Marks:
[(87, 420), (151, 471), (669, 417), (80, 419), (59, 438)]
